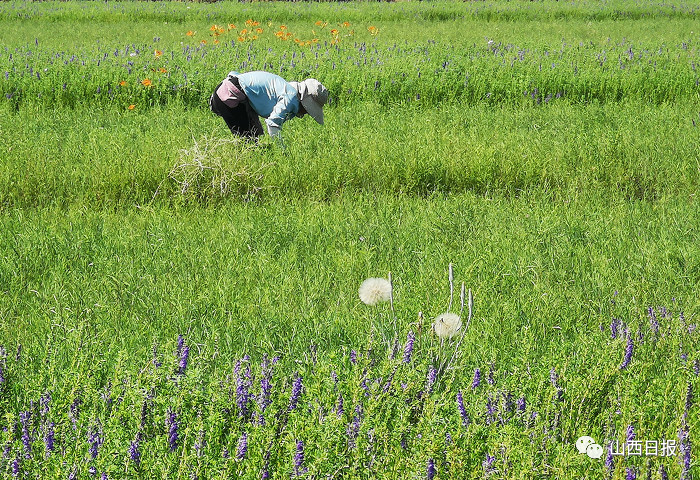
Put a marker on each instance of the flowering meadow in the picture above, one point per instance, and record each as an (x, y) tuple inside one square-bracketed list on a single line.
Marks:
[(488, 253)]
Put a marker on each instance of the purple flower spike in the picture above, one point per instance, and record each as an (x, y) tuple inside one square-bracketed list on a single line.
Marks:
[(15, 467), (296, 393), (630, 433), (609, 460), (653, 321), (614, 328), (184, 356), (242, 447), (408, 349), (477, 378), (631, 474), (49, 439), (173, 426), (520, 404), (95, 441), (431, 471), (339, 408), (299, 468), (629, 350), (135, 452), (432, 377), (462, 410), (488, 464)]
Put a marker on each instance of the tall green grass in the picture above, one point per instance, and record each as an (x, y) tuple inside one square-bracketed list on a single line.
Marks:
[(153, 271)]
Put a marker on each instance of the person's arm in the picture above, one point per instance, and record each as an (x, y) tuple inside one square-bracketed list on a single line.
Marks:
[(285, 109)]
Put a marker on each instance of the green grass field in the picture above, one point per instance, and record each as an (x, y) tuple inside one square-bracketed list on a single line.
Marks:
[(177, 304)]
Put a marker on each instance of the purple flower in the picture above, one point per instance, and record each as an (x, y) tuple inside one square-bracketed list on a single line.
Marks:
[(134, 451), (354, 427), (94, 441), (44, 402), (242, 446), (408, 349), (630, 433), (609, 460), (685, 451), (24, 418), (49, 439), (477, 378), (184, 356), (653, 321), (15, 467), (614, 325), (490, 410), (265, 384), (353, 357), (462, 410), (488, 464), (631, 474), (299, 469), (628, 353), (172, 424), (339, 406), (296, 393), (431, 469), (243, 383), (520, 404), (662, 473), (432, 377), (490, 379)]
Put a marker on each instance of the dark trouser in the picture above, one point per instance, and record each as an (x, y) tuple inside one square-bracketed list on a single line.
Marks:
[(241, 120)]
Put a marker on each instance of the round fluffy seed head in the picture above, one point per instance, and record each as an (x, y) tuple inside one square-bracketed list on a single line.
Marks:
[(447, 325), (375, 290)]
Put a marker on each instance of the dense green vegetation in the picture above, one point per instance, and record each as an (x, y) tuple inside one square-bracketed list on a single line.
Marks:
[(169, 295)]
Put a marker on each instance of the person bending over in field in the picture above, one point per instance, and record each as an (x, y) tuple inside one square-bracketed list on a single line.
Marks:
[(241, 97)]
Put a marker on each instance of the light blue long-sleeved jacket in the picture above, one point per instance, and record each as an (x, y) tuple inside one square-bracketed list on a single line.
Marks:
[(271, 96)]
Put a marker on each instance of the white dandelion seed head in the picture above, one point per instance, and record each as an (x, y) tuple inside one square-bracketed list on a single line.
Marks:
[(375, 290), (447, 325)]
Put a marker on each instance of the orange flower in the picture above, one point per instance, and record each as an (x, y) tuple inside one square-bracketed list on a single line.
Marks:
[(231, 26), (190, 33), (283, 27), (146, 82), (131, 107), (346, 24), (162, 70), (122, 83), (216, 41), (241, 39), (334, 32), (214, 28), (158, 53), (244, 31), (373, 30), (259, 30), (203, 42), (254, 37)]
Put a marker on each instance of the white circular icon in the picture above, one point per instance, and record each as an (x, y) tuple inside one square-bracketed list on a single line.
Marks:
[(588, 446)]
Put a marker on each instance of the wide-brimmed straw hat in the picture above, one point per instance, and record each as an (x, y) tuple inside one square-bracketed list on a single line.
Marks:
[(313, 96)]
